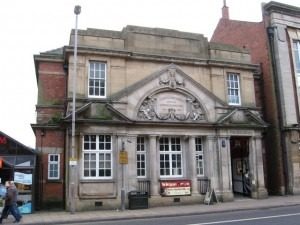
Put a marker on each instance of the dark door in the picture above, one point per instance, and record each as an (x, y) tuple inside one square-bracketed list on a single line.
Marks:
[(240, 165)]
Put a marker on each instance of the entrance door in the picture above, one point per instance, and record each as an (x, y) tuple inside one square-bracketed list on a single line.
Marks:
[(239, 147)]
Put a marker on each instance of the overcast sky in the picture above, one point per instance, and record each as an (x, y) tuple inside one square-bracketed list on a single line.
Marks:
[(29, 27)]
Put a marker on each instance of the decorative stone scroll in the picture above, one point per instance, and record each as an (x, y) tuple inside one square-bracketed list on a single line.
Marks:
[(172, 106)]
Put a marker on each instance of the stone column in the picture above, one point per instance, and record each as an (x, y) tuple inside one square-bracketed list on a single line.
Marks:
[(192, 164), (131, 169), (212, 161), (256, 168), (154, 166), (225, 168)]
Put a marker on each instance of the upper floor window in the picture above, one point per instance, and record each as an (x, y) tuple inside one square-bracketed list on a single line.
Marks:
[(296, 49), (170, 155), (199, 156), (97, 156), (53, 166), (233, 89), (97, 79), (141, 157)]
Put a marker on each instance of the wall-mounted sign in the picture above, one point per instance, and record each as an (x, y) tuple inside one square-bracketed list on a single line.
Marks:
[(123, 157), (23, 178), (72, 161), (3, 140), (175, 187)]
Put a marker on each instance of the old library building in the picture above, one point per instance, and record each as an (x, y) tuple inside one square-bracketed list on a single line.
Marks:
[(159, 111)]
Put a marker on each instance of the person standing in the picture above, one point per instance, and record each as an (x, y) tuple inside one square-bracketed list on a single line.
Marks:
[(4, 212), (11, 203)]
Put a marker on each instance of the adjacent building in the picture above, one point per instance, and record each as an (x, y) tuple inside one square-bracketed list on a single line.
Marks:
[(274, 44), (157, 110), (18, 164)]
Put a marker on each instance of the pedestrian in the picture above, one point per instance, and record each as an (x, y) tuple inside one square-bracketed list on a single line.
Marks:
[(4, 213), (11, 203)]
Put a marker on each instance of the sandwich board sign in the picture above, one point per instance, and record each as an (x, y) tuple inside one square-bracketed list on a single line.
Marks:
[(210, 197)]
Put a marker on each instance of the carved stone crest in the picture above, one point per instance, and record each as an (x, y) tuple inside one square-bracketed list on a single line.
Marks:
[(172, 106)]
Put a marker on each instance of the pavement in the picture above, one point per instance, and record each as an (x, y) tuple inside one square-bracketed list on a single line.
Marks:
[(63, 217)]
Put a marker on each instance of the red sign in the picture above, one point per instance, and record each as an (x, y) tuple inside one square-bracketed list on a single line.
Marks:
[(175, 187), (3, 140), (1, 163)]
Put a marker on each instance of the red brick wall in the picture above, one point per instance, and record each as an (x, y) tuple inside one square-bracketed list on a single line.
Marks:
[(51, 83), (50, 191), (50, 137)]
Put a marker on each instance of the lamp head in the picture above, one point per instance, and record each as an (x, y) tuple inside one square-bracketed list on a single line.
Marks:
[(77, 9)]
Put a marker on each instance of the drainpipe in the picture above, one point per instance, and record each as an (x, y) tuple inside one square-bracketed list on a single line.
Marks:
[(271, 36)]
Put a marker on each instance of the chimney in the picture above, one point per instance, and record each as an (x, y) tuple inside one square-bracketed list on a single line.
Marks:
[(225, 11)]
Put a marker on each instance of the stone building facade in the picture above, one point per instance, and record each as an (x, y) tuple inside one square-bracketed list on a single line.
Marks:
[(179, 111), (278, 59), (282, 24)]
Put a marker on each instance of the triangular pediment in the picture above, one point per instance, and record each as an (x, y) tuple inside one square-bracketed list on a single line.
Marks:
[(171, 76), (168, 95), (242, 117), (94, 111)]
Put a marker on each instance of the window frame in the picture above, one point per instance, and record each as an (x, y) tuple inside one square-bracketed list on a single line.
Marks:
[(232, 89), (100, 157), (52, 162), (199, 151), (169, 153), (91, 62), (141, 152)]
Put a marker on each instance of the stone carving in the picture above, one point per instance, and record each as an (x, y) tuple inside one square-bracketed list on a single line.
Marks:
[(196, 111), (147, 110), (170, 79), (171, 106)]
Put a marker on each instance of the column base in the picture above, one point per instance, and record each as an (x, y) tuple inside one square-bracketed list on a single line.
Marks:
[(261, 193)]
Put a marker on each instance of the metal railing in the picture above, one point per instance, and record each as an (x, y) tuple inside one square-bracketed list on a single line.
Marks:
[(144, 185), (204, 185)]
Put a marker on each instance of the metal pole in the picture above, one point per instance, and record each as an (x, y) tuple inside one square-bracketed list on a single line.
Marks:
[(73, 166), (123, 186)]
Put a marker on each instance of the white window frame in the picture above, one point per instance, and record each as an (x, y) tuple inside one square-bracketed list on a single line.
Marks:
[(296, 53), (199, 156), (54, 163), (233, 89), (97, 155), (168, 149), (141, 157), (97, 74)]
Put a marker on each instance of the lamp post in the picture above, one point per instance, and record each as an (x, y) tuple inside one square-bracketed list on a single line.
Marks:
[(73, 161)]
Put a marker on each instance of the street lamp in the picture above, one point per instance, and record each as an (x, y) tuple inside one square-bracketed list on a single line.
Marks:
[(73, 161)]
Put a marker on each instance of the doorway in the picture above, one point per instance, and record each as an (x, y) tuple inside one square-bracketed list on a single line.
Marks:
[(241, 182)]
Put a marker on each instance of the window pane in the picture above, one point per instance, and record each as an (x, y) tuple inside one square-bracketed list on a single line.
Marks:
[(97, 75), (233, 89)]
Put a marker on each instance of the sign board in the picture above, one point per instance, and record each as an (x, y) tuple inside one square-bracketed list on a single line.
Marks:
[(3, 140), (123, 157), (175, 187), (210, 197), (73, 162)]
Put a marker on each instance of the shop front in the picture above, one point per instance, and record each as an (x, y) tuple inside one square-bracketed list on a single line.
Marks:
[(18, 165)]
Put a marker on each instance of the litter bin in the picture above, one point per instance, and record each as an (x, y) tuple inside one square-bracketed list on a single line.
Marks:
[(138, 200)]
